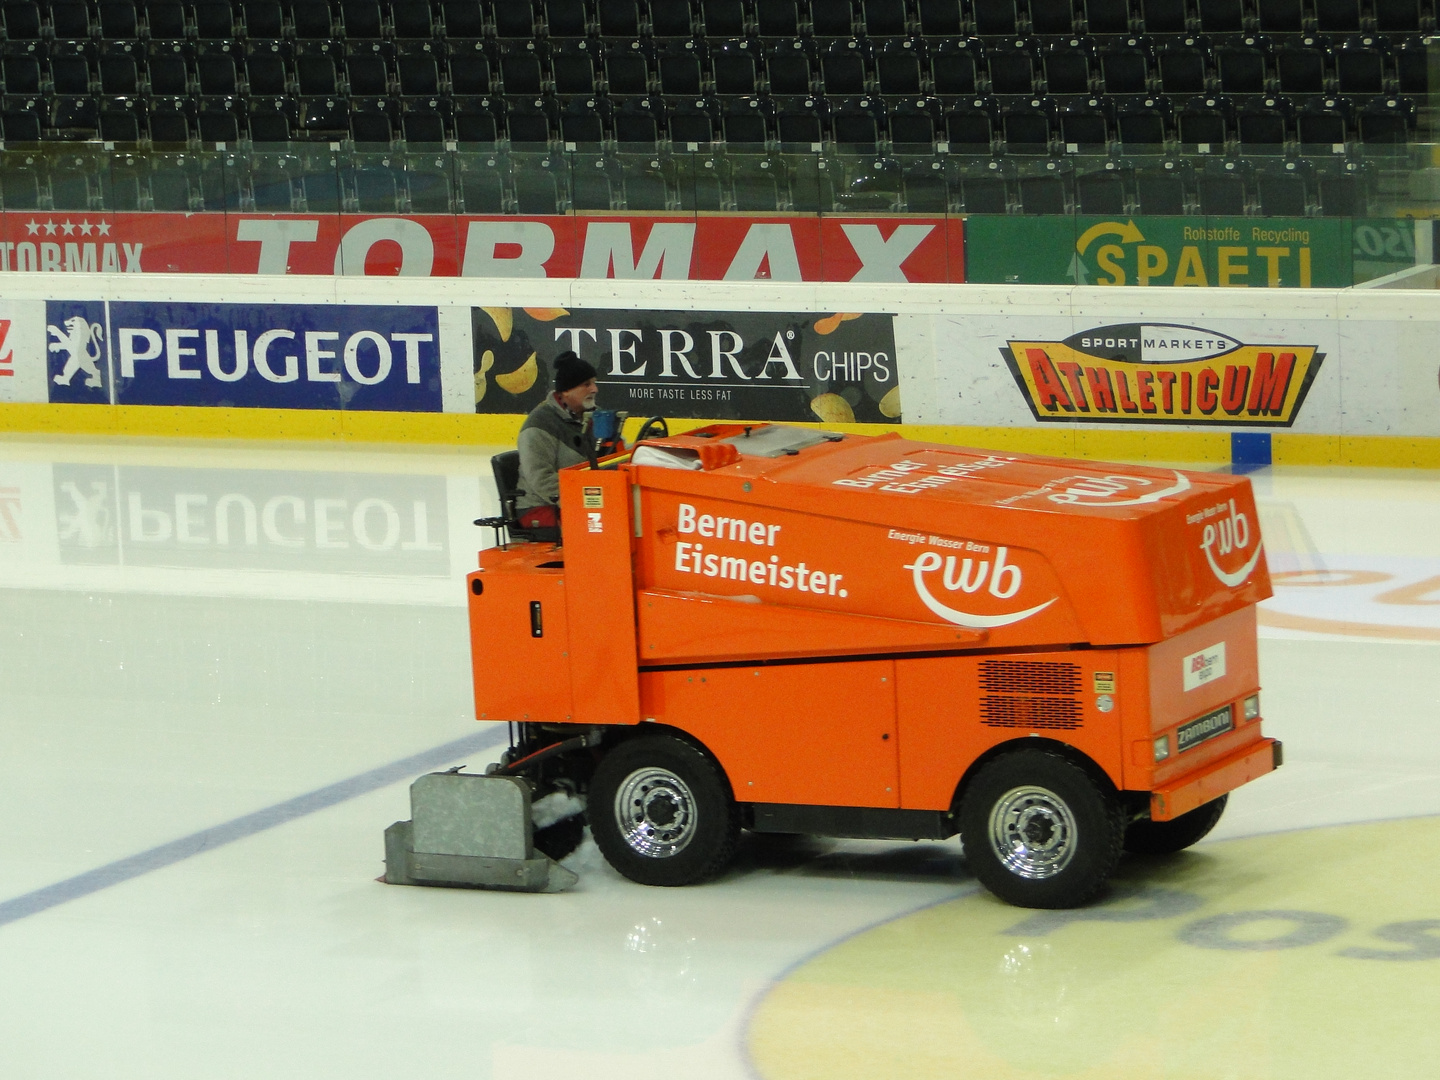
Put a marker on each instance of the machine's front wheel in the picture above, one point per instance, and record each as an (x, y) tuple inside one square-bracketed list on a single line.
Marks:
[(1167, 837), (1039, 831), (661, 812)]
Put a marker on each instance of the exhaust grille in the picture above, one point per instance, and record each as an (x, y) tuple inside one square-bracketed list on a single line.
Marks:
[(1029, 677), (1032, 694), (1031, 712)]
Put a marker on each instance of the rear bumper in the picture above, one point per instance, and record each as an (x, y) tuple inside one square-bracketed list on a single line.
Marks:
[(1227, 774)]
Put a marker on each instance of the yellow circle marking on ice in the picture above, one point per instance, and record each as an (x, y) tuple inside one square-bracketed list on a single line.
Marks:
[(1308, 955)]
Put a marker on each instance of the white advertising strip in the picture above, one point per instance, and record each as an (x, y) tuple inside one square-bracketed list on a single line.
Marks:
[(1314, 362)]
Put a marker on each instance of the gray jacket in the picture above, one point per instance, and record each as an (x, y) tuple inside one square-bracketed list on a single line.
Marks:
[(550, 439)]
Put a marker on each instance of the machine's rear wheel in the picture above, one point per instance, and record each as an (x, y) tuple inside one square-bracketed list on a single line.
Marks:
[(1166, 837), (1039, 831), (661, 812)]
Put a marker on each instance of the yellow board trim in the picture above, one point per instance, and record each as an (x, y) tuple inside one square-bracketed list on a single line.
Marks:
[(491, 429)]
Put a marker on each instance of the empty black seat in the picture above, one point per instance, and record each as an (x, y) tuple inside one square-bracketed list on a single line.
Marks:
[(1046, 190), (1053, 18), (692, 120), (119, 67), (1107, 16), (671, 20), (941, 18), (315, 74), (218, 120), (985, 190), (1281, 16), (372, 119), (530, 120), (573, 66), (312, 19), (422, 122), (954, 64), (1360, 66), (69, 19), (1125, 66), (118, 19), (582, 119), (788, 64), (856, 123), (773, 18), (680, 68), (22, 75), (324, 118), (367, 73), (1282, 189), (1164, 16), (915, 123), (409, 20), (482, 188), (1086, 125), (1028, 126), (1103, 191), (746, 120), (418, 69), (216, 69), (1222, 16), (1164, 188), (1012, 66), (263, 19), (515, 19), (1221, 188), (1386, 122), (1143, 124), (362, 19), (1322, 126), (476, 120), (1397, 16), (74, 116), (1262, 125), (565, 18), (593, 180), (22, 21), (520, 67), (1067, 67), (214, 20), (1205, 124), (884, 18), (171, 120), (1184, 63), (1242, 65), (464, 19), (735, 67), (1337, 16), (637, 121), (618, 18), (799, 121), (122, 119), (842, 67), (627, 67), (1341, 189), (833, 19), (897, 67), (971, 125), (996, 18), (266, 69), (268, 119)]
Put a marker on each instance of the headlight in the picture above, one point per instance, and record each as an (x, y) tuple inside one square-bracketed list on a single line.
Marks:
[(1251, 706), (1162, 748)]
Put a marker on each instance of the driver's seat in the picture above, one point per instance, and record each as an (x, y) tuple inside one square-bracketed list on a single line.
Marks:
[(506, 469)]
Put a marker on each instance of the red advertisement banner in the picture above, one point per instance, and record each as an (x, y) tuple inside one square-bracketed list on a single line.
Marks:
[(718, 247)]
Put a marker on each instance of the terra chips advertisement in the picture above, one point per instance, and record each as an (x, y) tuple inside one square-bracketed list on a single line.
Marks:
[(755, 365)]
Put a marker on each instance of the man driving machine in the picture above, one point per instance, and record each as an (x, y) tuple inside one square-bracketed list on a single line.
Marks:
[(554, 436)]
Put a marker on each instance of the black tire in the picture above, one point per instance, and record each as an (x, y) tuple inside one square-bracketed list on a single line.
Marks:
[(1167, 837), (661, 812), (1040, 831)]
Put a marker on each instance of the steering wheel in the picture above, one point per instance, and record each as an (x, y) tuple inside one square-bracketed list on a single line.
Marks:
[(655, 427)]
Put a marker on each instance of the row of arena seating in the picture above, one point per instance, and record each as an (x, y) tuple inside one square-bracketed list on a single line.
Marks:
[(1180, 64), (357, 20), (500, 183), (1125, 124)]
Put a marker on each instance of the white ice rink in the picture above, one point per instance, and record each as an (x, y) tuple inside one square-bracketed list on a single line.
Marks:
[(220, 666)]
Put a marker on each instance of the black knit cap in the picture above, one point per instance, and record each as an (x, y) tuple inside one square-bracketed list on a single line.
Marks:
[(570, 372)]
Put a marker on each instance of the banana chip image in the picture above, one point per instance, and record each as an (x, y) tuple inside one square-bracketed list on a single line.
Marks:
[(487, 361), (831, 323), (503, 320), (545, 314), (519, 380), (832, 409), (890, 403)]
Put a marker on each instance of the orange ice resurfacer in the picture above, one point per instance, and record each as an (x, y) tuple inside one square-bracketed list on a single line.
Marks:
[(788, 630)]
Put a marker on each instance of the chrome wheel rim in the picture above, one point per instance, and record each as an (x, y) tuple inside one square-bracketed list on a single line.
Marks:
[(1032, 832), (656, 813)]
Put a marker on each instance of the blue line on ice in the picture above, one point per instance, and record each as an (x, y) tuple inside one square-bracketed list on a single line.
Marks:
[(158, 858)]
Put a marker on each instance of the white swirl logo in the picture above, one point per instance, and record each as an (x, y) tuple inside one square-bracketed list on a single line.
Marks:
[(1001, 580), (1101, 491), (1226, 535)]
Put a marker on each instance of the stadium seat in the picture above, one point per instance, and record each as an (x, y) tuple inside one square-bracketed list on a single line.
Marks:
[(573, 66), (1104, 191), (647, 183), (1053, 18), (217, 119), (324, 118), (1183, 64), (1412, 66), (1282, 188), (417, 64), (422, 122), (1242, 64), (1142, 124), (1204, 124), (842, 68), (1086, 125), (757, 184), (311, 20), (971, 125), (1322, 126), (69, 69), (1337, 16), (672, 20), (884, 18), (170, 120), (941, 18), (1046, 188), (1067, 66), (321, 188), (263, 19), (627, 67), (22, 21), (70, 176), (1301, 64), (537, 187), (20, 181), (983, 189), (366, 72), (1164, 16), (515, 19), (1222, 16), (408, 20), (362, 20), (692, 120), (477, 120), (124, 182), (529, 120), (799, 121), (1125, 66), (1281, 16), (464, 19), (22, 74), (915, 123), (789, 67), (996, 18), (74, 116), (856, 123), (1341, 189), (315, 74), (122, 120), (926, 189), (954, 63), (832, 19), (1221, 188), (428, 180), (1013, 66), (214, 20), (69, 19), (1261, 125), (481, 183), (1397, 16), (637, 121), (734, 67), (268, 119), (746, 121), (1164, 189), (173, 178), (119, 20), (897, 67), (372, 119), (680, 68), (582, 119), (215, 67), (565, 18), (1028, 126), (773, 18), (520, 67), (471, 67), (1386, 122), (618, 18), (371, 182), (266, 69), (1360, 65), (697, 182), (119, 69), (1107, 17)]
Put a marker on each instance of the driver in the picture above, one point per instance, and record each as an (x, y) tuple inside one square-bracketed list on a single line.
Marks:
[(555, 435)]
